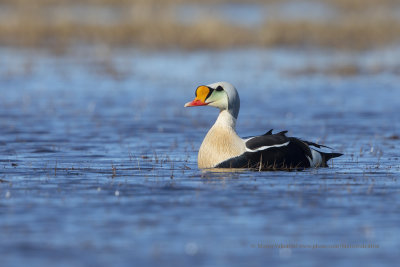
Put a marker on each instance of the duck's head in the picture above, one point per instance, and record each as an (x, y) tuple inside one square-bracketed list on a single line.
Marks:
[(222, 95)]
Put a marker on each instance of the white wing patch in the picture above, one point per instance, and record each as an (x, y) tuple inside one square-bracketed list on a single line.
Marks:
[(247, 139), (266, 147), (316, 160)]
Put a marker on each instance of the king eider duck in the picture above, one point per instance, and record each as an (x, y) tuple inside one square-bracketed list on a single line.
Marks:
[(223, 148)]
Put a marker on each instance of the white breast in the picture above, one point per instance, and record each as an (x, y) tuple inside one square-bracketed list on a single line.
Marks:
[(221, 142)]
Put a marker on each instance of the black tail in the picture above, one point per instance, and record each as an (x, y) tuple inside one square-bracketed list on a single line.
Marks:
[(328, 156)]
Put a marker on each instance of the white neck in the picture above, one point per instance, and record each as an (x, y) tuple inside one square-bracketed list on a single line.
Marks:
[(221, 142), (225, 119)]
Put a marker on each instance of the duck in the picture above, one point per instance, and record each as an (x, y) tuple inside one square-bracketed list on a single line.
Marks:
[(223, 148)]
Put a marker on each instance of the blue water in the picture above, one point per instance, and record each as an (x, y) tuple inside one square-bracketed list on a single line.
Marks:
[(253, 14), (98, 160)]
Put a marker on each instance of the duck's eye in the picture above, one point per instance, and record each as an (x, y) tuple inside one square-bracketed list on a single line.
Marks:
[(219, 88)]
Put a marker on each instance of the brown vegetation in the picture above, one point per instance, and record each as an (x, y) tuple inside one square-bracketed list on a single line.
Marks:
[(151, 24)]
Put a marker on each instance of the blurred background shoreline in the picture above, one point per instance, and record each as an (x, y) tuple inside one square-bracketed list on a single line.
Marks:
[(192, 25)]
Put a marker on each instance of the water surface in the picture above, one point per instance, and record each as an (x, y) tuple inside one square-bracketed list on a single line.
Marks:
[(98, 159)]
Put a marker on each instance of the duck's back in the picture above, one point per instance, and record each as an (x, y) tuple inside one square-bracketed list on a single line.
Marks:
[(277, 151)]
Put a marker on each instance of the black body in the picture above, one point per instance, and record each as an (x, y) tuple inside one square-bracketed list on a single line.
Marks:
[(276, 152)]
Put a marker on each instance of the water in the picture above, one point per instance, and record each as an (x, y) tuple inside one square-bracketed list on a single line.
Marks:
[(252, 15), (98, 160)]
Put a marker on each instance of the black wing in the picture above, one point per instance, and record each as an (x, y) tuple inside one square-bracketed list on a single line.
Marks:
[(272, 151)]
